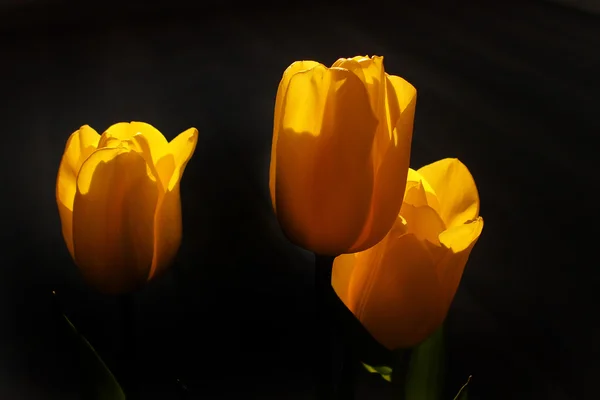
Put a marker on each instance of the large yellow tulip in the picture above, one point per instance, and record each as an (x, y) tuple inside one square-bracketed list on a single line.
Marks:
[(340, 153), (119, 204), (401, 288)]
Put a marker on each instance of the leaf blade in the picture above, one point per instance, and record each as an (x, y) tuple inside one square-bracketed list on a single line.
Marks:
[(101, 383), (462, 393), (384, 371)]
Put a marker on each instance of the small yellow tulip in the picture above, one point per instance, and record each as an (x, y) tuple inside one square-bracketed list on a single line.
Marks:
[(340, 153), (119, 204), (401, 288)]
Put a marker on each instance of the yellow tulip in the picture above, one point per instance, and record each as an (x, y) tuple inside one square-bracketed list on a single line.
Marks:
[(119, 204), (340, 153), (401, 288)]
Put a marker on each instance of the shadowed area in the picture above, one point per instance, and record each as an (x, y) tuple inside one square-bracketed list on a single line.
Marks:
[(510, 89)]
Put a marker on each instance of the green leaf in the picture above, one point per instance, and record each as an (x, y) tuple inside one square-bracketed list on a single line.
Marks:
[(100, 383), (425, 377), (385, 372), (462, 393)]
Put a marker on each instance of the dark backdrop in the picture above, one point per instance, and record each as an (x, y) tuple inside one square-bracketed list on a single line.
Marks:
[(511, 89)]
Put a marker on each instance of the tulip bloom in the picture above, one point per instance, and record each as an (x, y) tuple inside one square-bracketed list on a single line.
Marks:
[(340, 153), (119, 205), (401, 288)]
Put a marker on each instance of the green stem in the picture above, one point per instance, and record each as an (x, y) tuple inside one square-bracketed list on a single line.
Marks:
[(126, 304), (346, 385), (400, 367), (324, 334)]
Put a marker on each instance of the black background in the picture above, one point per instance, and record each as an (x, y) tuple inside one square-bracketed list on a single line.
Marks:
[(510, 88)]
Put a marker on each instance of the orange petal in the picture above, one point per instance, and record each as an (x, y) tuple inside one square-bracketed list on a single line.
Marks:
[(355, 58), (182, 148), (455, 189), (401, 101), (391, 158), (419, 192), (80, 145), (340, 276), (168, 231), (118, 130), (459, 241), (168, 225), (113, 219), (324, 173), (140, 136), (397, 292), (423, 222), (157, 143), (115, 134), (371, 72), (281, 91)]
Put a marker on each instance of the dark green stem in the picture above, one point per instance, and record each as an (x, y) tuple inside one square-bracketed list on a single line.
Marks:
[(324, 335), (182, 390), (128, 348), (400, 367), (350, 363)]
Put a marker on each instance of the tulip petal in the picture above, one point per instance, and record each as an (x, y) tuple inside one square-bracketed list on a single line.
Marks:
[(401, 101), (165, 167), (127, 132), (79, 147), (296, 67), (372, 74), (460, 238), (391, 160), (113, 219), (340, 276), (115, 134), (455, 189), (141, 145), (419, 192), (324, 172), (182, 148), (459, 241), (415, 194), (355, 58), (119, 130), (423, 222), (168, 231), (395, 292), (168, 225), (158, 144)]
